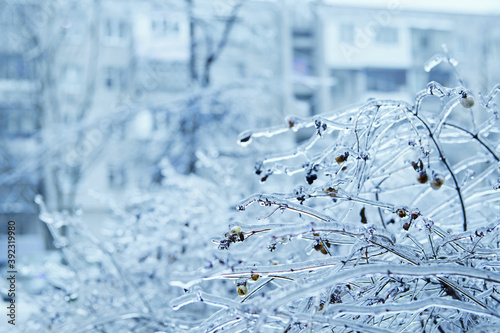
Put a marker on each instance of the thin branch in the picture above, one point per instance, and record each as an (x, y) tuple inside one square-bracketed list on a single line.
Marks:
[(213, 56), (477, 138), (447, 165)]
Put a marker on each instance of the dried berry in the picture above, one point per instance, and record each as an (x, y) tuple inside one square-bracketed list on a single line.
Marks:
[(437, 182), (401, 213), (422, 177), (311, 178), (342, 158), (242, 289), (335, 297), (254, 277), (467, 101), (236, 234), (236, 229), (320, 247)]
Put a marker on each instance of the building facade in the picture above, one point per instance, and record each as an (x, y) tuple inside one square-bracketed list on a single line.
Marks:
[(94, 94)]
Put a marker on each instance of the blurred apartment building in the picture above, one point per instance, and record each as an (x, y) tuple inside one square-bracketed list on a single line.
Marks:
[(113, 70), (19, 121), (88, 86), (345, 52)]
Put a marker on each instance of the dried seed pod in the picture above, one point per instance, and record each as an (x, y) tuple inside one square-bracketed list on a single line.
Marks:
[(401, 213), (363, 216), (291, 123), (467, 101), (418, 166), (406, 226), (437, 182), (242, 289), (422, 177), (246, 139), (414, 215)]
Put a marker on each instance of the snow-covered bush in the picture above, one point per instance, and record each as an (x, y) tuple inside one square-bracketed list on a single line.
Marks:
[(119, 282), (393, 226)]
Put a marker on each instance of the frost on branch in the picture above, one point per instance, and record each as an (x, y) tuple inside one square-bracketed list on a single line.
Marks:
[(393, 227)]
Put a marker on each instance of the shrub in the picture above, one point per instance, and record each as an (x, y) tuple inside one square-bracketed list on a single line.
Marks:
[(394, 228)]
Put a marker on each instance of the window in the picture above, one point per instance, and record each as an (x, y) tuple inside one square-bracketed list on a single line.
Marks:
[(386, 35), (163, 27), (115, 78), (346, 33), (302, 61), (14, 67), (72, 78), (385, 80), (17, 121), (304, 33), (11, 16), (115, 30)]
